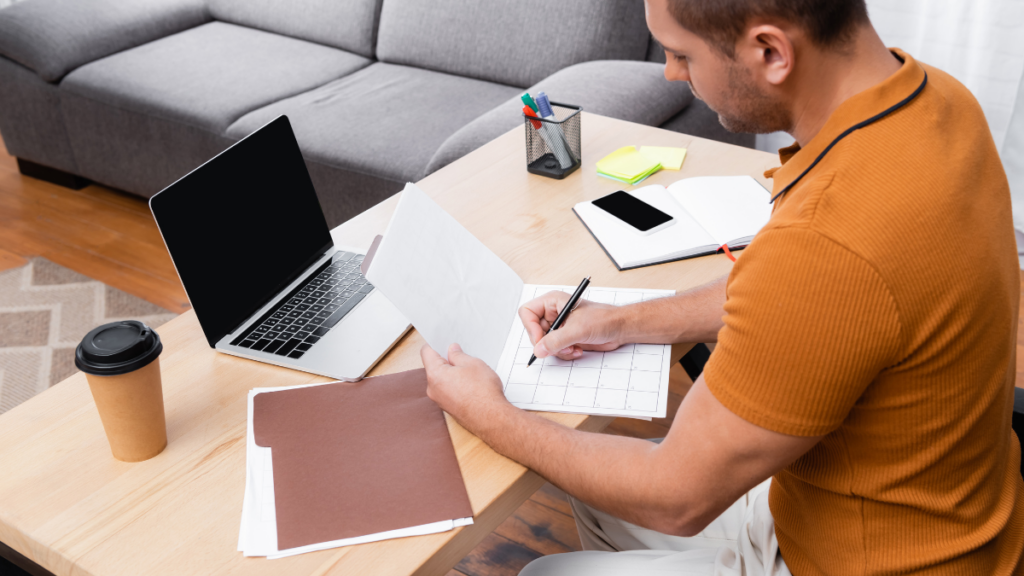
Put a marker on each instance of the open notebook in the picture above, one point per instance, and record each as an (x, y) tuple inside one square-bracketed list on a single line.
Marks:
[(709, 212)]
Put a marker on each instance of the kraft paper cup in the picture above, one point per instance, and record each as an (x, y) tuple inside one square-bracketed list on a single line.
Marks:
[(121, 362)]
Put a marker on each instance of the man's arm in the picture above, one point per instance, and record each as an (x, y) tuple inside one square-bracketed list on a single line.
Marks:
[(710, 458), (693, 316)]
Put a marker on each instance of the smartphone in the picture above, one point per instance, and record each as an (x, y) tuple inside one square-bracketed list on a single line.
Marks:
[(636, 213)]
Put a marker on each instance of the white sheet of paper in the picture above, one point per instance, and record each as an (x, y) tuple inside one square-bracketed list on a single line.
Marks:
[(257, 535), (630, 381), (450, 286), (728, 207)]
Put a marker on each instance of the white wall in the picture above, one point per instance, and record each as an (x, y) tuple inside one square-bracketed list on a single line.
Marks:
[(1013, 160), (979, 42)]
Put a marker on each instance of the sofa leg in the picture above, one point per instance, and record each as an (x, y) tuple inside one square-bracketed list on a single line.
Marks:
[(52, 175)]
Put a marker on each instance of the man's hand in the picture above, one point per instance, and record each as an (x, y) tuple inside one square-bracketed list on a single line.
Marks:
[(591, 326), (463, 386)]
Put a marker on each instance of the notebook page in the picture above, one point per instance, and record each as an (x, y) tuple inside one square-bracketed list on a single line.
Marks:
[(728, 207), (627, 246), (630, 381)]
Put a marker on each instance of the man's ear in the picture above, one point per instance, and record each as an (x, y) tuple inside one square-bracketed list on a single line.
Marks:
[(769, 50)]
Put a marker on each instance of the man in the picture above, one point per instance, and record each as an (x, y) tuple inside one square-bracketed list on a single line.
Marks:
[(866, 338)]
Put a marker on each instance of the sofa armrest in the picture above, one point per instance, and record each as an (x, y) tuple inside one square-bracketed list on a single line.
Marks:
[(53, 37), (623, 89)]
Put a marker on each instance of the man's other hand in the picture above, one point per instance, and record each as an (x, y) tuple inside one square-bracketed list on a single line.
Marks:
[(591, 326), (462, 385)]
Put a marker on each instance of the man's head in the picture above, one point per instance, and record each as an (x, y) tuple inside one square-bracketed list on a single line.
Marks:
[(739, 56)]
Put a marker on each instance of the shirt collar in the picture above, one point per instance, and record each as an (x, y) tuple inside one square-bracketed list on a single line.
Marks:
[(854, 110)]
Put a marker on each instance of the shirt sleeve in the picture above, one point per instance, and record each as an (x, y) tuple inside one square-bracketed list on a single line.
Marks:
[(808, 326)]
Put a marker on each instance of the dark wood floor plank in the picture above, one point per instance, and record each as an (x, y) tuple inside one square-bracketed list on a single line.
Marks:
[(496, 556), (551, 496), (540, 529)]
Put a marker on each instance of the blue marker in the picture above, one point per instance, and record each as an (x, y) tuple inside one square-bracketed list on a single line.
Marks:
[(545, 111)]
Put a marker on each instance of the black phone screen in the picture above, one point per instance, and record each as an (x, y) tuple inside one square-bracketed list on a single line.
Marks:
[(629, 209)]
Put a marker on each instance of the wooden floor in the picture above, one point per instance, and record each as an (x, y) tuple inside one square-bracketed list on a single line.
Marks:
[(106, 235), (111, 237)]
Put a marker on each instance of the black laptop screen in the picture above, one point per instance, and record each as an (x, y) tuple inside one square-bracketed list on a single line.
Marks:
[(242, 226)]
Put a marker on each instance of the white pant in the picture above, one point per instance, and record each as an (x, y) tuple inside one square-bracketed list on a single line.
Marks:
[(740, 542)]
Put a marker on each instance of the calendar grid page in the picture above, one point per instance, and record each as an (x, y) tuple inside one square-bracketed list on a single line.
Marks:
[(631, 381)]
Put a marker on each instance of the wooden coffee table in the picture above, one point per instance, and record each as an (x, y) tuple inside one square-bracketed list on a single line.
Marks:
[(67, 505)]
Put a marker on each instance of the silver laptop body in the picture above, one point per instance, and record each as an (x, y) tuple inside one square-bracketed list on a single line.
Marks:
[(349, 349), (252, 248)]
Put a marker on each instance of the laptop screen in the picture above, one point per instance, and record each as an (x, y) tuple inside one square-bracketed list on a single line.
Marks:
[(242, 226)]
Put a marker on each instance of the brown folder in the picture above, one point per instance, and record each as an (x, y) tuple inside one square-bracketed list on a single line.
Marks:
[(352, 459)]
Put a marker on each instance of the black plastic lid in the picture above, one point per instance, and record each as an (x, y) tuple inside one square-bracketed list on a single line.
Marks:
[(118, 348)]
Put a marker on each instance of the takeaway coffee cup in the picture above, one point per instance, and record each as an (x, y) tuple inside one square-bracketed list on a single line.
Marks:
[(121, 362)]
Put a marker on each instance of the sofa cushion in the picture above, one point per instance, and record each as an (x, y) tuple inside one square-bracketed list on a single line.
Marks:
[(210, 76), (53, 37), (514, 43), (347, 24), (133, 151), (633, 91), (384, 120)]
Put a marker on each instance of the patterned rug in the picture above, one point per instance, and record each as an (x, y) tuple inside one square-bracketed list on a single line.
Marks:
[(45, 310)]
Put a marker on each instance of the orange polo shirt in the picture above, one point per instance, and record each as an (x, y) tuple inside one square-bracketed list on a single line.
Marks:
[(878, 309)]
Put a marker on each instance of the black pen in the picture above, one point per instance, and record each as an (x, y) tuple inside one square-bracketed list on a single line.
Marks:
[(569, 306)]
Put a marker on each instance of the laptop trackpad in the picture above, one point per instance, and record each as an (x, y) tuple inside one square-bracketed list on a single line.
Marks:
[(362, 337)]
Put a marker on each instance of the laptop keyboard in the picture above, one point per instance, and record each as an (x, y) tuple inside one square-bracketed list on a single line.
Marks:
[(302, 320)]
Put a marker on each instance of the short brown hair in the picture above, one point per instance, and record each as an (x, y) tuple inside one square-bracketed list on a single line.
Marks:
[(829, 23)]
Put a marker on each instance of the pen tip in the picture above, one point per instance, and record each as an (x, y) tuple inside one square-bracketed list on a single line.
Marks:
[(532, 358)]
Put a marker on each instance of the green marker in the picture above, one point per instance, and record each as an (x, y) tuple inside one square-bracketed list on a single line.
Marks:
[(528, 100)]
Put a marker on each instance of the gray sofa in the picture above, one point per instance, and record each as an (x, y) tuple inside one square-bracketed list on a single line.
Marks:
[(133, 94)]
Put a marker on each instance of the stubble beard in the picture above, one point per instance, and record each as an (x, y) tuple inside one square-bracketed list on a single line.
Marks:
[(748, 110)]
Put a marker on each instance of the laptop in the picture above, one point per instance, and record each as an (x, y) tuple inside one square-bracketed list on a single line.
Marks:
[(252, 248)]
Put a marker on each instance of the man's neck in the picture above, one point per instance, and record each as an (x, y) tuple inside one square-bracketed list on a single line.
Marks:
[(831, 78)]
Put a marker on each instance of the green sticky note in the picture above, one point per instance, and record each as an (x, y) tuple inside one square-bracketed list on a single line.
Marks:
[(669, 158)]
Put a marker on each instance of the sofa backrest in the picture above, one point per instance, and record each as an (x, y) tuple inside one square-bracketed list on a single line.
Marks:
[(347, 24), (513, 42), (53, 37)]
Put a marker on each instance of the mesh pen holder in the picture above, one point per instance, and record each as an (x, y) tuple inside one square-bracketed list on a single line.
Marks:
[(554, 149)]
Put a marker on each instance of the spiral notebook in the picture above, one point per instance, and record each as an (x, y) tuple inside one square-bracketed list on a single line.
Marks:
[(709, 212)]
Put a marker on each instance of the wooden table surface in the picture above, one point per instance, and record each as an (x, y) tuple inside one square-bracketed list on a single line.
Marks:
[(66, 504)]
